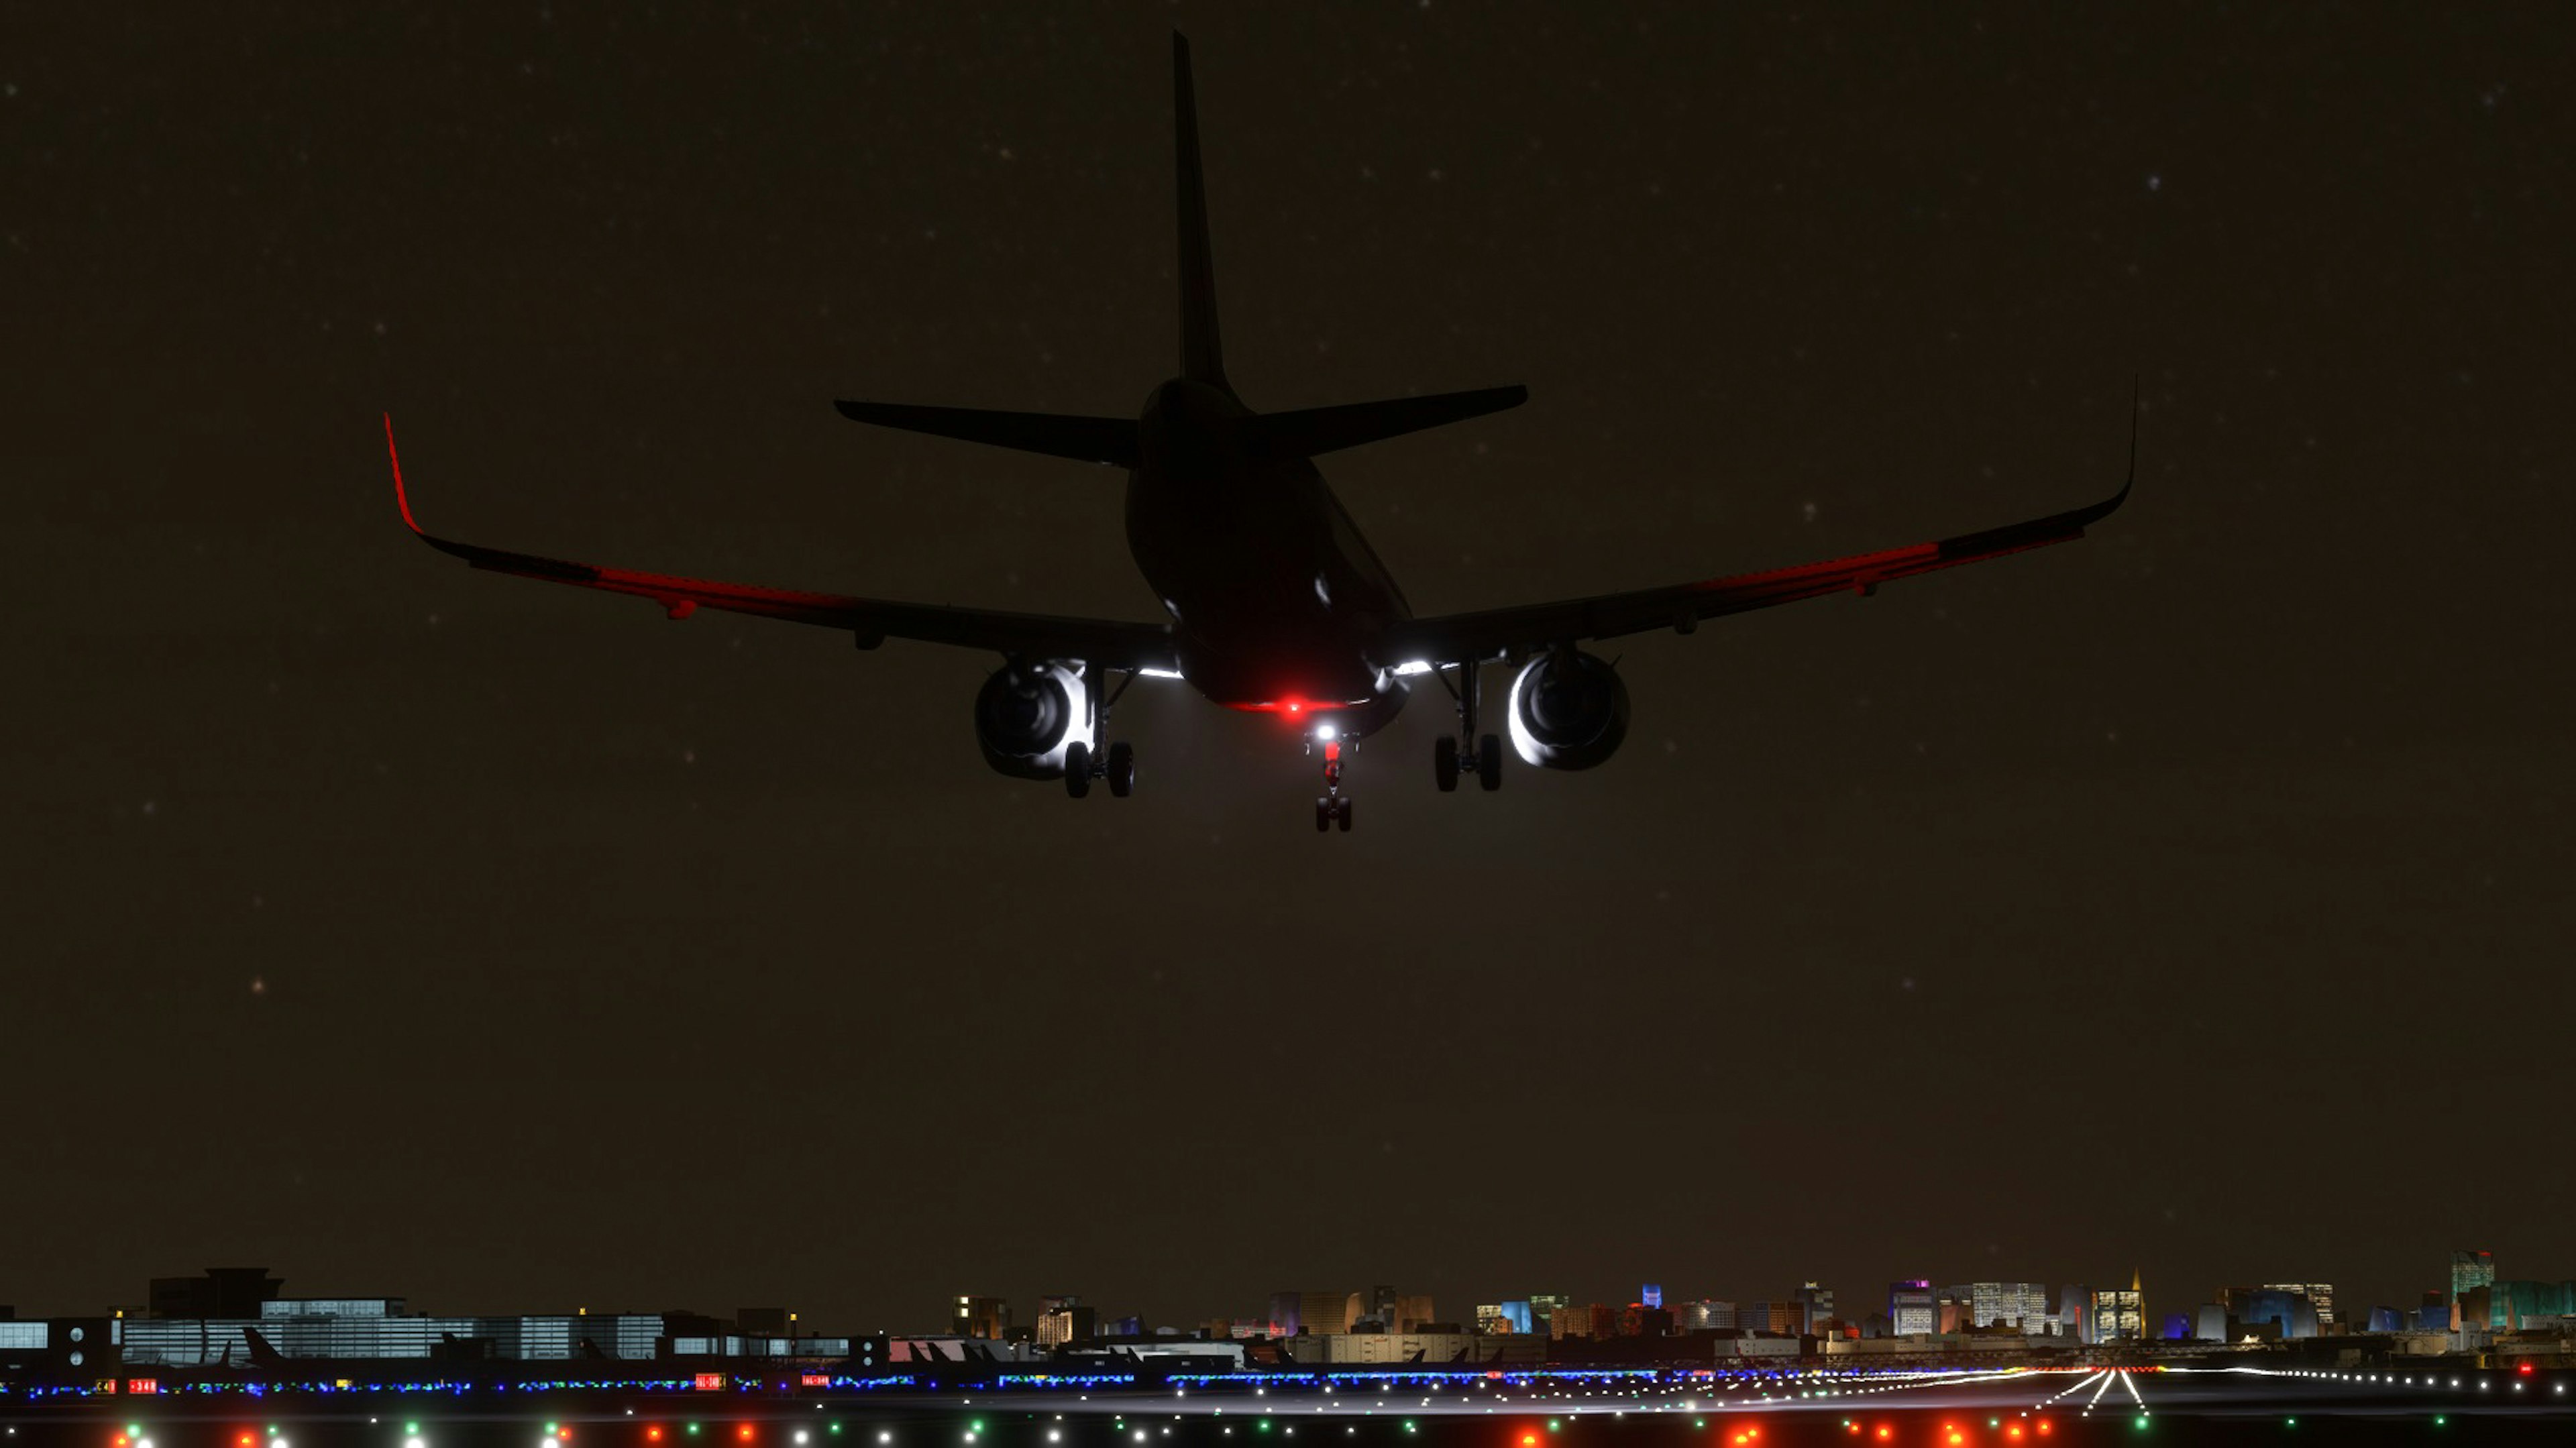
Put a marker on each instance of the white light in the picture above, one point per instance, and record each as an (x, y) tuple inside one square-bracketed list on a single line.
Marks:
[(1415, 666), (415, 1443), (1324, 731), (1160, 673)]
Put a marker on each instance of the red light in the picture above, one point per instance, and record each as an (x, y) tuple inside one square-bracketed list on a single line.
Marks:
[(2043, 1426), (2525, 1370), (246, 1441), (2013, 1432), (1885, 1432), (744, 1433), (653, 1434)]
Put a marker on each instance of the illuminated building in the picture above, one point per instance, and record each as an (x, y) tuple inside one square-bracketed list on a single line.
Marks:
[(1515, 1316), (1815, 1307), (2471, 1270), (2009, 1304), (1706, 1315), (1073, 1323), (984, 1317), (1319, 1313), (2320, 1295), (2074, 1307), (1651, 1295), (2117, 1314), (1543, 1309), (2512, 1304), (1786, 1318), (1912, 1309), (1413, 1313)]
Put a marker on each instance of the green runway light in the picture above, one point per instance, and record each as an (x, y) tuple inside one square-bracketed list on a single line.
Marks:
[(412, 1428), (133, 1430), (693, 1427)]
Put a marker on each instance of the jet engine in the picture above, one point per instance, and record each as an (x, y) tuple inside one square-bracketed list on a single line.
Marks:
[(1569, 710), (1028, 715)]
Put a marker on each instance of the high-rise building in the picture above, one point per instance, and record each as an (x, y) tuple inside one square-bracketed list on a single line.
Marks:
[(1319, 1313), (1651, 1295), (1543, 1310), (2320, 1295), (1283, 1314), (1786, 1318), (2118, 1314), (1515, 1315), (1074, 1323), (1815, 1307), (2471, 1270), (1912, 1308), (1412, 1313), (2009, 1304), (1706, 1315), (986, 1317), (2074, 1312), (1382, 1306), (1489, 1318)]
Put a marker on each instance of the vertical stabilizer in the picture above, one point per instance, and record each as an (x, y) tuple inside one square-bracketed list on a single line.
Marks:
[(1201, 361)]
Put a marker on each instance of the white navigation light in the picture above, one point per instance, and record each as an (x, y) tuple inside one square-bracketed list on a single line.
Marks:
[(1324, 731)]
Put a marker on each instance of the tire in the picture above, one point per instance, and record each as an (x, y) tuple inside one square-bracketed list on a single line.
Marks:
[(1323, 814), (1342, 813), (1122, 769), (1489, 763), (1444, 763), (1077, 770)]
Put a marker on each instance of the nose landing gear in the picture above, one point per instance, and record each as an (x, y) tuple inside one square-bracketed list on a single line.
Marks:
[(1332, 807)]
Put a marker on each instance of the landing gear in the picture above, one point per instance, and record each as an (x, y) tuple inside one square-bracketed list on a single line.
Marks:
[(1118, 764), (1332, 807), (1480, 754)]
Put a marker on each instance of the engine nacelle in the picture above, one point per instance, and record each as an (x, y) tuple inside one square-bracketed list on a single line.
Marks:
[(1026, 717), (1569, 710)]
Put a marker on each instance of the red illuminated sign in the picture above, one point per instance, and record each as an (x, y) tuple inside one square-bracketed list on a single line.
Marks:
[(709, 1382), (144, 1386)]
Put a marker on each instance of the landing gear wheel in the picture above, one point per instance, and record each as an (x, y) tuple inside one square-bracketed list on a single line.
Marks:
[(1323, 814), (1122, 769), (1489, 763), (1342, 813), (1077, 770), (1444, 763)]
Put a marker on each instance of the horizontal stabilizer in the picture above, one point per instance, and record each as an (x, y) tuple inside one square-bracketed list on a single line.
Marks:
[(1329, 429), (1110, 440)]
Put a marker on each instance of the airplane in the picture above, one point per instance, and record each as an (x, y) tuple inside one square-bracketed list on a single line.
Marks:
[(1275, 603)]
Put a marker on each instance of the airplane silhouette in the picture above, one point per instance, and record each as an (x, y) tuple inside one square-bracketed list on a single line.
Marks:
[(1276, 603)]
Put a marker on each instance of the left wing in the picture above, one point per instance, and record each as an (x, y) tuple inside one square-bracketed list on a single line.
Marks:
[(1104, 642), (1531, 627)]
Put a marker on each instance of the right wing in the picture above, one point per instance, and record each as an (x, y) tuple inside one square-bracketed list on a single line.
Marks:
[(1531, 627), (1104, 642)]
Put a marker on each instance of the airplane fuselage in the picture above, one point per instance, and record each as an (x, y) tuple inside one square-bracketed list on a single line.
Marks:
[(1276, 599)]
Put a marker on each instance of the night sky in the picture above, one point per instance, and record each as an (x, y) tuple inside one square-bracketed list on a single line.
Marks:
[(2193, 899)]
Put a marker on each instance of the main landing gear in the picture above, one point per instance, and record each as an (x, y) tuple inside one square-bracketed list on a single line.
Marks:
[(1118, 764), (1332, 807), (1450, 756)]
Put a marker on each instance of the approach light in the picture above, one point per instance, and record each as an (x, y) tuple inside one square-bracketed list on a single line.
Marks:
[(415, 1442)]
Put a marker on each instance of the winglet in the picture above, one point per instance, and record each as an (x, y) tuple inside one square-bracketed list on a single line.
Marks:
[(401, 500)]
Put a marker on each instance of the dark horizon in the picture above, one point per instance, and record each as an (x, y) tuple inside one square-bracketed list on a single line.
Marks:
[(2190, 899)]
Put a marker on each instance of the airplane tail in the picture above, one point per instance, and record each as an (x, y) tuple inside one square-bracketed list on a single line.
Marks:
[(1201, 359)]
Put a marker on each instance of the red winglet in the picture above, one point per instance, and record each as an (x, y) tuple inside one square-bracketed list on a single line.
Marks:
[(400, 501)]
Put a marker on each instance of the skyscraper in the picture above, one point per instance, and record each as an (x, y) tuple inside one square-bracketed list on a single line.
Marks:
[(1815, 1307), (1543, 1309), (1911, 1307), (2009, 1304), (2471, 1270), (985, 1317), (1652, 1295), (2119, 1314)]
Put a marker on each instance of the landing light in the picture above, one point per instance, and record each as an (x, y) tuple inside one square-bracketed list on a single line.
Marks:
[(1325, 731)]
